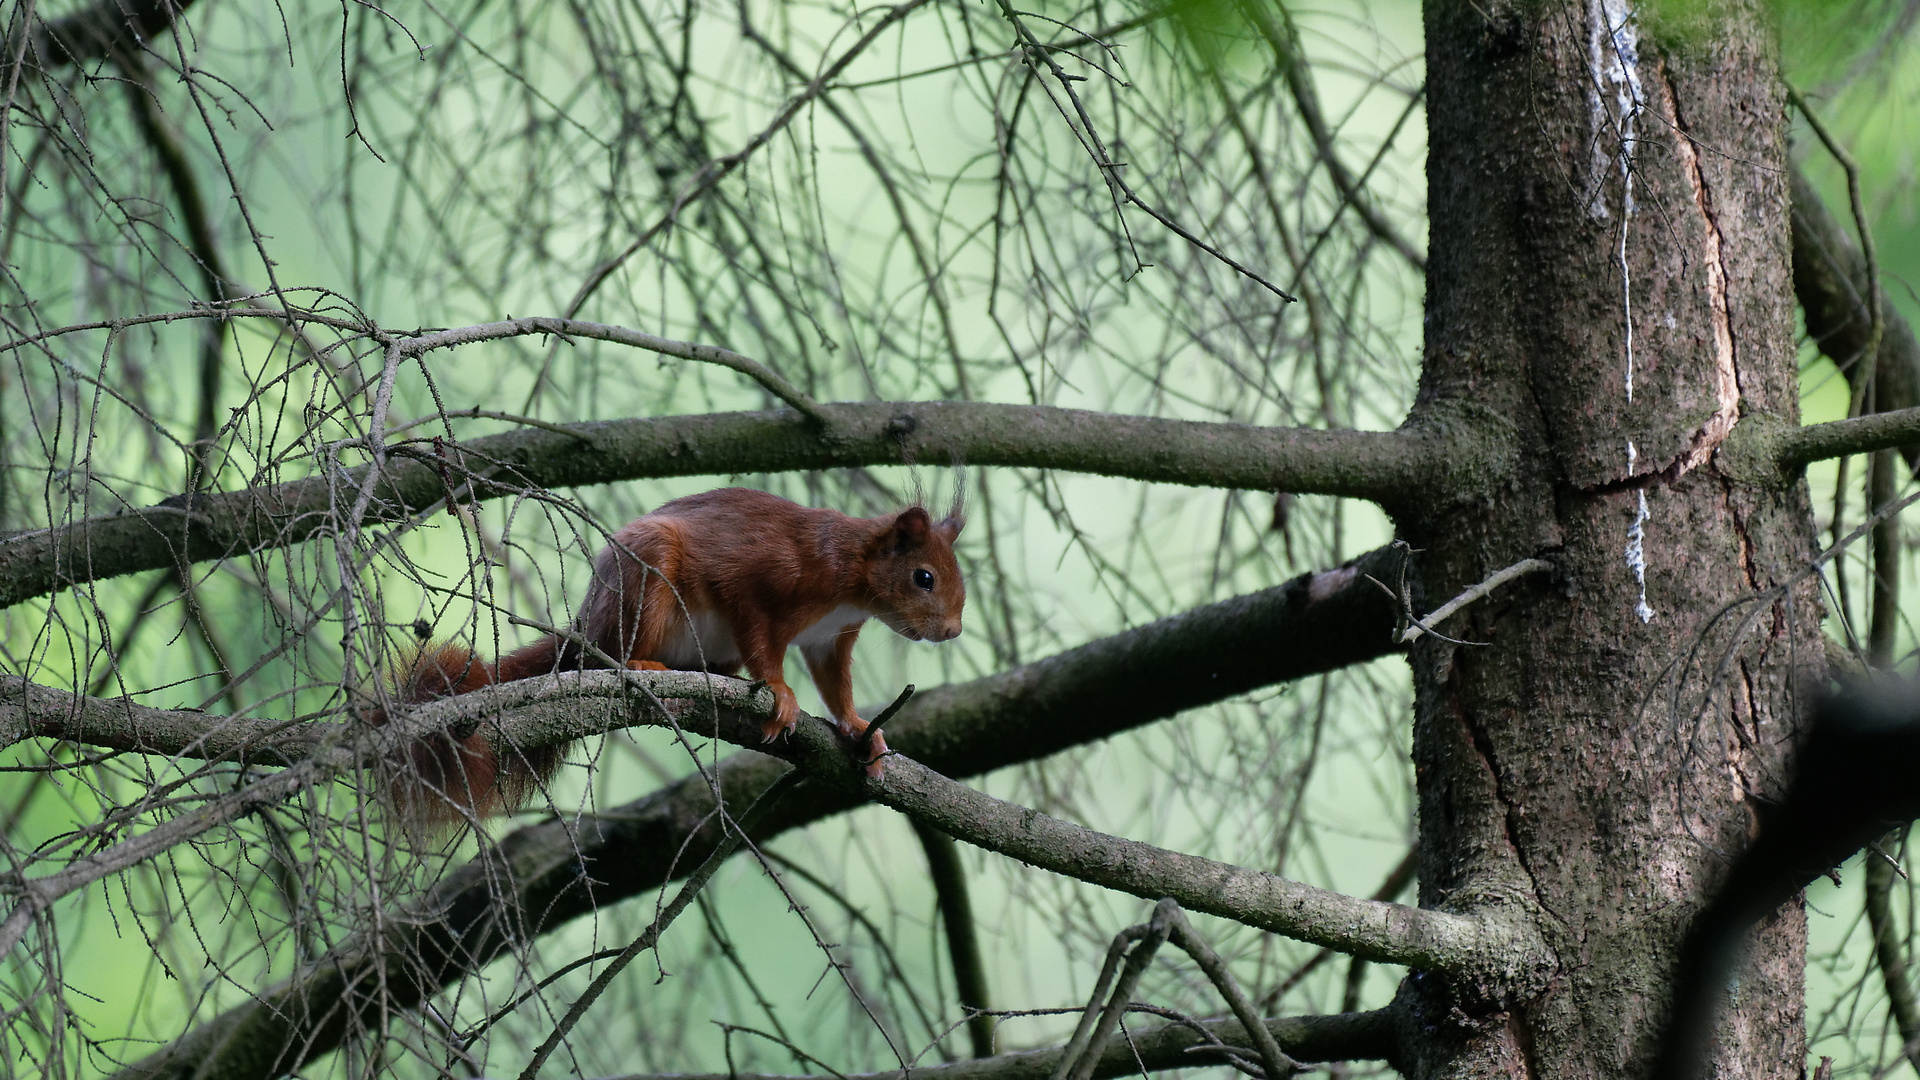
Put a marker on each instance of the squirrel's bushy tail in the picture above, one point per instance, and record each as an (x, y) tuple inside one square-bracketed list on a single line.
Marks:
[(455, 776)]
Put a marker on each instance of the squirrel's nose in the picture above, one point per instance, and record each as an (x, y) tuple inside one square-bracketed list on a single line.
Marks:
[(949, 630)]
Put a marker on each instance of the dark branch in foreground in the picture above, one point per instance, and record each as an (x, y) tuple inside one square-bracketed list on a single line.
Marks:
[(1367, 1036), (540, 877), (1383, 466), (95, 31), (1852, 782)]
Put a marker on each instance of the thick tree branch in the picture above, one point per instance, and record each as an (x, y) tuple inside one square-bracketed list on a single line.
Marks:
[(1388, 467), (1482, 947), (29, 710), (1830, 281), (1315, 623), (1799, 447), (542, 876), (561, 708), (1364, 1036)]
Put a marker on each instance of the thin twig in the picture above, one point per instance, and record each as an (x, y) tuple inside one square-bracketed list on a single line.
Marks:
[(1870, 353), (719, 169), (1499, 578), (1279, 1065), (888, 713), (1109, 168), (491, 414), (1890, 947), (574, 328), (736, 835), (1284, 40)]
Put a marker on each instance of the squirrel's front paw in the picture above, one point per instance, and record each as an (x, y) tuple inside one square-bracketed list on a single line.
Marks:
[(786, 715)]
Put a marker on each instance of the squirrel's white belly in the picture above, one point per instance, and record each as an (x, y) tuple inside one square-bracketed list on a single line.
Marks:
[(829, 626), (702, 642)]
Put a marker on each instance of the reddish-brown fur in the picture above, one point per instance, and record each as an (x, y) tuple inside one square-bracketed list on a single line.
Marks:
[(713, 582)]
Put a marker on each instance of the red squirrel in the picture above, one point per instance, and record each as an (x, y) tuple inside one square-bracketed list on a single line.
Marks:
[(708, 582)]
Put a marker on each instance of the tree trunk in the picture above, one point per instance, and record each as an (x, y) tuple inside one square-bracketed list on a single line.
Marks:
[(1610, 292)]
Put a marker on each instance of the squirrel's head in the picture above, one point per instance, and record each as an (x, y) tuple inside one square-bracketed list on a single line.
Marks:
[(916, 584)]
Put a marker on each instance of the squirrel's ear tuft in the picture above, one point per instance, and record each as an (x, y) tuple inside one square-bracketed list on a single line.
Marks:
[(950, 527), (910, 529)]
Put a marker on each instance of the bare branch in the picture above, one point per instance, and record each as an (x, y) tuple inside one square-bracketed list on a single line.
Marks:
[(29, 710), (1132, 950), (1276, 1061), (1282, 37), (1384, 466), (1890, 947), (1342, 1037), (558, 709), (963, 940), (1501, 949)]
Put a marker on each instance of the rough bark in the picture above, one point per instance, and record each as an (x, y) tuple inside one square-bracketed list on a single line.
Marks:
[(1590, 762)]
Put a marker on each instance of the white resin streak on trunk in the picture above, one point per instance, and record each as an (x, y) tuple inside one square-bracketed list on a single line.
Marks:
[(1613, 43)]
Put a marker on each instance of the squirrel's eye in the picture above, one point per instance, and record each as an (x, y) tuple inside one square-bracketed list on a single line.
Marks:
[(924, 579)]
